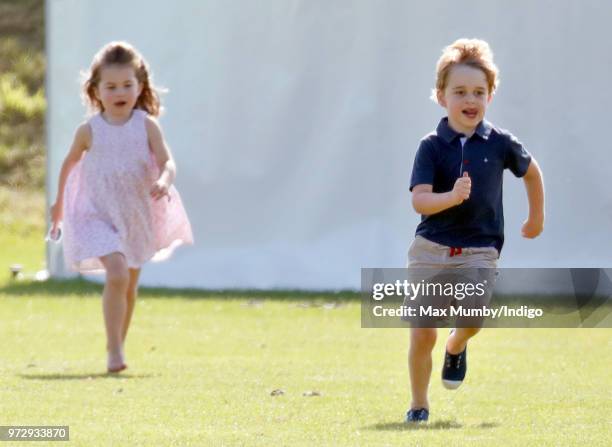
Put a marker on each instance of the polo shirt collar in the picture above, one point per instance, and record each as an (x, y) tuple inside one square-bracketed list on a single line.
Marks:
[(483, 130)]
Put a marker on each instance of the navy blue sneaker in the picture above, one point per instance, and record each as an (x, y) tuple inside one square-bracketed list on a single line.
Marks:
[(454, 369), (417, 415)]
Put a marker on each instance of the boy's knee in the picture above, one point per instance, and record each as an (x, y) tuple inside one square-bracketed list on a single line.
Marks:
[(468, 332), (423, 338)]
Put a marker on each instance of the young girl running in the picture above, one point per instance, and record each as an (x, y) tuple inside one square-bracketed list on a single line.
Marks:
[(115, 193)]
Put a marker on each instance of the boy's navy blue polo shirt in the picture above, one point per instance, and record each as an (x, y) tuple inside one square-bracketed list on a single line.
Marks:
[(478, 221)]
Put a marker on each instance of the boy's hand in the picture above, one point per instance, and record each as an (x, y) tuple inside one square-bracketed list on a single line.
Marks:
[(159, 190), (463, 187), (532, 227)]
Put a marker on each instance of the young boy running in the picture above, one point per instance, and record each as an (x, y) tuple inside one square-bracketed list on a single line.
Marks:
[(457, 188)]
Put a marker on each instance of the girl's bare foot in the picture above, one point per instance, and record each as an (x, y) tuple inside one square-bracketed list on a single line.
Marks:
[(115, 362)]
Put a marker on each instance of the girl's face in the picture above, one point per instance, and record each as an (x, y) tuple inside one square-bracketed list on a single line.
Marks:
[(118, 90), (465, 98)]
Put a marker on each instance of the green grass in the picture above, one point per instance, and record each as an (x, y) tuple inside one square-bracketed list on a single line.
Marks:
[(203, 365), (22, 230), (201, 373), (22, 94)]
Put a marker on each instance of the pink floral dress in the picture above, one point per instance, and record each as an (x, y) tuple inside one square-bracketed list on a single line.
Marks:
[(107, 202)]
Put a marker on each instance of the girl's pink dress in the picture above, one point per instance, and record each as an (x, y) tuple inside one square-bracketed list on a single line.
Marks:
[(107, 202)]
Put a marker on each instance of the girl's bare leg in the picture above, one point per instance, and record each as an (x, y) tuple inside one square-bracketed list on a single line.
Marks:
[(132, 293), (114, 306)]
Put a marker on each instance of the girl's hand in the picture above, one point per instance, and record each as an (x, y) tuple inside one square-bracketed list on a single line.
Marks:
[(57, 214), (159, 190), (532, 227)]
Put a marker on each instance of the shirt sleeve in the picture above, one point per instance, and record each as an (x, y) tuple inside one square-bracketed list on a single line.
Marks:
[(424, 165), (517, 159)]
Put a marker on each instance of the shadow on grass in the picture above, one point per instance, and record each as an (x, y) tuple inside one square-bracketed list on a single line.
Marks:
[(487, 425), (82, 287), (445, 424), (58, 376), (403, 426)]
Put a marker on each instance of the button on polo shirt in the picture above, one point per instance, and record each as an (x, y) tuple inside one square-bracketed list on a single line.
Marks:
[(441, 159)]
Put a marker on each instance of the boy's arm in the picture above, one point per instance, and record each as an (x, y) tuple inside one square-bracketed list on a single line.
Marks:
[(427, 202), (534, 185), (163, 157)]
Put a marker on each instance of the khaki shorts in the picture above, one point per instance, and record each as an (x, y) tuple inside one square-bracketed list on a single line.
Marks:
[(440, 266), (424, 253)]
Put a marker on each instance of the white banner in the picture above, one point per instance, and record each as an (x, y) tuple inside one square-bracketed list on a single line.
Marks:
[(295, 123)]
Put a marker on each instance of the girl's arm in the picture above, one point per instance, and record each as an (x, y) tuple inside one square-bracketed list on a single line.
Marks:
[(534, 185), (163, 157), (82, 141), (427, 202)]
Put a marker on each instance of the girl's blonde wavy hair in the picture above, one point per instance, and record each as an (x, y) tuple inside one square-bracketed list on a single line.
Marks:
[(121, 53)]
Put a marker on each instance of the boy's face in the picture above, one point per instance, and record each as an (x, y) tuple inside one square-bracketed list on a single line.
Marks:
[(465, 98)]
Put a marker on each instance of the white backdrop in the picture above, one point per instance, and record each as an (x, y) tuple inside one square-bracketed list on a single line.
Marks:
[(295, 122)]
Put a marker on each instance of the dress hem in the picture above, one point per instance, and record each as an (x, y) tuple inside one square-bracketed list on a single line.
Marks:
[(161, 254)]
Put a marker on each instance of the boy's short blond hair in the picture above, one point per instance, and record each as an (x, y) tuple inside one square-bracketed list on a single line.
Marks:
[(474, 53)]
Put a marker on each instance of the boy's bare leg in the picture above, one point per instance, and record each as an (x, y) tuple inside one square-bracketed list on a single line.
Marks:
[(422, 341), (457, 341)]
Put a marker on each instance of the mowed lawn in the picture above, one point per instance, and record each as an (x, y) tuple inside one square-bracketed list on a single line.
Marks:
[(203, 366)]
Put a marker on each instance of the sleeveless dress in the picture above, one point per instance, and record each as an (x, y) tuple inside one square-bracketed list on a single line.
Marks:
[(107, 202)]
